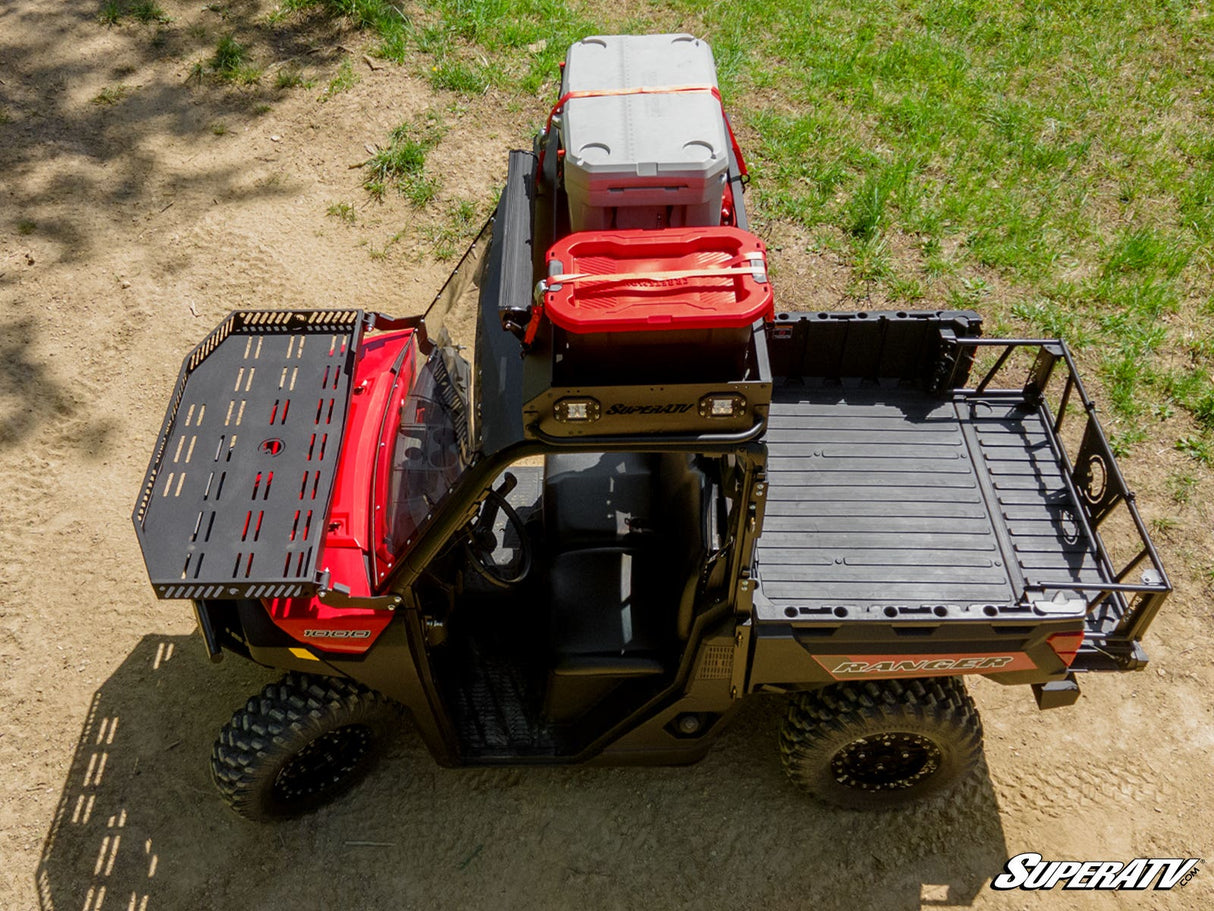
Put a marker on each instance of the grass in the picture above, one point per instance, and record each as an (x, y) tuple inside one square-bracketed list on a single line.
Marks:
[(345, 79), (146, 11), (26, 227), (230, 63), (290, 77), (1199, 449), (402, 163), (343, 211), (463, 77), (1181, 487), (465, 46), (111, 94), (111, 12), (460, 223), (230, 59)]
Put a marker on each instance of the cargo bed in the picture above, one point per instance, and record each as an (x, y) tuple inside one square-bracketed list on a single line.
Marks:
[(903, 494), (881, 496)]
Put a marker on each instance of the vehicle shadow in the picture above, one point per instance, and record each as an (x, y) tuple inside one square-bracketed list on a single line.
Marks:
[(139, 825)]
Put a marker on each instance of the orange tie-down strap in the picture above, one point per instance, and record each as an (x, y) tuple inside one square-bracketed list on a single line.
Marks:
[(757, 270), (648, 90)]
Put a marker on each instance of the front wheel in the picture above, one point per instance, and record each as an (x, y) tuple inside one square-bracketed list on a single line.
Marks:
[(299, 744), (881, 743)]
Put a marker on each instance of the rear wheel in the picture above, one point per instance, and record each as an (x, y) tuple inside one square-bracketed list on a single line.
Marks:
[(881, 743), (299, 744)]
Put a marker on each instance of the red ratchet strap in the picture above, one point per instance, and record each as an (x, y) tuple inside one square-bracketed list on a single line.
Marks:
[(533, 324), (647, 90)]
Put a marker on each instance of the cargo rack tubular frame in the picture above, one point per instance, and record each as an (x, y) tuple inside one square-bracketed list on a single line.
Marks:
[(1094, 507)]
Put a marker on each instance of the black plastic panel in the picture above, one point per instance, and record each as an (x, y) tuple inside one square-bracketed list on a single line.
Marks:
[(235, 498), (905, 345), (874, 502)]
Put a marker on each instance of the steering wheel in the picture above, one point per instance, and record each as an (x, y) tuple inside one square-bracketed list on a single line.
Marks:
[(481, 540)]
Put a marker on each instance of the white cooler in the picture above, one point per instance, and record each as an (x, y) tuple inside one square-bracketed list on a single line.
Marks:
[(653, 160)]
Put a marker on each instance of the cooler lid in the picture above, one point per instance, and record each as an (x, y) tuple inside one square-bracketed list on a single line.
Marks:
[(673, 134), (643, 281)]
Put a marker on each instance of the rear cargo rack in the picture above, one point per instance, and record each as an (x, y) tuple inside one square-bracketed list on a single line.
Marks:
[(1118, 611), (234, 501)]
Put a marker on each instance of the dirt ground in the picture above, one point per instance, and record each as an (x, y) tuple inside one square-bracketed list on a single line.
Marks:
[(127, 230)]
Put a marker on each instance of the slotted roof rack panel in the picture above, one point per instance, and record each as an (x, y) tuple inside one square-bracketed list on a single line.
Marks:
[(234, 501)]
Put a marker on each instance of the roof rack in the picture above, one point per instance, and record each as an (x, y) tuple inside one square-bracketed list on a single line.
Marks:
[(235, 497)]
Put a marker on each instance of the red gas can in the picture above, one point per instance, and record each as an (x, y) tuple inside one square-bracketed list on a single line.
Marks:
[(679, 295)]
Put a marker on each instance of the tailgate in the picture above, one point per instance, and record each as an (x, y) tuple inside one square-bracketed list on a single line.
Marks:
[(234, 501)]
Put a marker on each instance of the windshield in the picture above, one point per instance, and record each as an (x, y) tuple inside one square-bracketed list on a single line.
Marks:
[(451, 327), (429, 450)]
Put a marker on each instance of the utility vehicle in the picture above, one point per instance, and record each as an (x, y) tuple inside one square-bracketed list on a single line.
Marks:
[(606, 488)]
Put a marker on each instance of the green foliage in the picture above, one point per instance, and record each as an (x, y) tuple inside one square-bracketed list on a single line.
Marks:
[(401, 164), (111, 94), (461, 222), (459, 76), (376, 15), (111, 12), (289, 77), (345, 79), (1181, 487), (230, 56), (146, 11), (1196, 448), (229, 63)]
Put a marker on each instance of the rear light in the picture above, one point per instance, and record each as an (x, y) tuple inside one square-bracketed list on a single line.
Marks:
[(1065, 645), (577, 410), (722, 405)]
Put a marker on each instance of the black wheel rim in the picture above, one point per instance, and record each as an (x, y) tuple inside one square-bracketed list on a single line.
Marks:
[(325, 766), (886, 762)]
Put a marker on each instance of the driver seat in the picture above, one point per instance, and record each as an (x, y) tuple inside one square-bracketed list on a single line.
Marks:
[(607, 625), (620, 598)]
